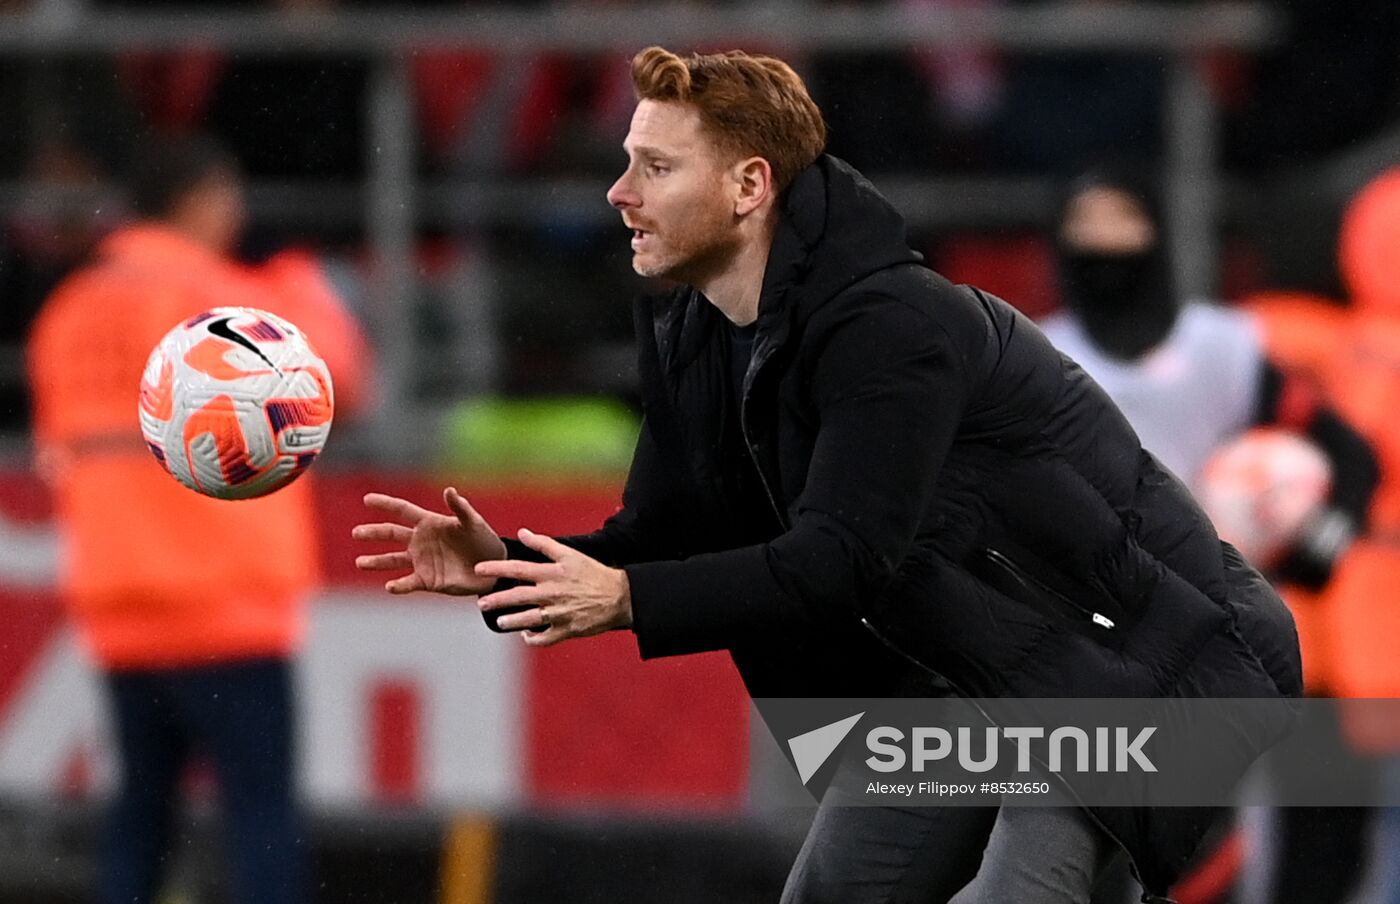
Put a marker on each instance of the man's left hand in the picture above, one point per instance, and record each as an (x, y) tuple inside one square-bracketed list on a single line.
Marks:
[(572, 595)]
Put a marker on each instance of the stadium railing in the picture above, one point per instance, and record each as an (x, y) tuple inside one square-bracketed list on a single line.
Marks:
[(394, 202)]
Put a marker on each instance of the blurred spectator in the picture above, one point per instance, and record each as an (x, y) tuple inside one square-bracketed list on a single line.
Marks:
[(67, 132), (557, 113), (72, 102), (1190, 377), (56, 222), (969, 82), (285, 117), (903, 112), (293, 117), (191, 606), (978, 109), (878, 108), (171, 90), (1063, 110)]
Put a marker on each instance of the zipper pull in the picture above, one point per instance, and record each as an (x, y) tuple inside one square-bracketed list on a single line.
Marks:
[(1103, 621)]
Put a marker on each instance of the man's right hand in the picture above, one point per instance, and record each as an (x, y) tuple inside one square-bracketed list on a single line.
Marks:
[(439, 551)]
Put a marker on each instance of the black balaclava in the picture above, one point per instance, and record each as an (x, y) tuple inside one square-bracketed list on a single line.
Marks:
[(1125, 301)]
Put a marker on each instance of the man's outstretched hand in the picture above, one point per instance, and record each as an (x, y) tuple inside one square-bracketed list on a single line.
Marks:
[(572, 595), (439, 552)]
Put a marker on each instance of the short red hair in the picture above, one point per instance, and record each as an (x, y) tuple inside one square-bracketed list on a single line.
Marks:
[(752, 105)]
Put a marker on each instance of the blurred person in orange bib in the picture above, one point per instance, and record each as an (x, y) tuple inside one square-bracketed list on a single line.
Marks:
[(1354, 351), (191, 606)]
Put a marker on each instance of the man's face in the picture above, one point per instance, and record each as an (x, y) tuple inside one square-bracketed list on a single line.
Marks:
[(676, 196)]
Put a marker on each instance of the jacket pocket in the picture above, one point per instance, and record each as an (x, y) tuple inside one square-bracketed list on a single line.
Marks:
[(1003, 574)]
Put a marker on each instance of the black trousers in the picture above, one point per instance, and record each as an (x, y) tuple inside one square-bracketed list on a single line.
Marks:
[(889, 855), (926, 855), (239, 715)]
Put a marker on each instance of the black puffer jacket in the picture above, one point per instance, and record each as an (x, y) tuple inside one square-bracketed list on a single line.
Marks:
[(918, 444)]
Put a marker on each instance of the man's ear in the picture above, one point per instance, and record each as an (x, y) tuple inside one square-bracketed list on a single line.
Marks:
[(753, 179)]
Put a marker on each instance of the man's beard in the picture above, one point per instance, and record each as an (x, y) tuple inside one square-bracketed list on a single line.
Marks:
[(705, 247), (693, 267)]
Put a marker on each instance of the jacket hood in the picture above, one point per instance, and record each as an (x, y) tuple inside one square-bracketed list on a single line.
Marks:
[(835, 229), (1366, 248)]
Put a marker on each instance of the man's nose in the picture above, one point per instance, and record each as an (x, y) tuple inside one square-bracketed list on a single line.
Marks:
[(621, 194)]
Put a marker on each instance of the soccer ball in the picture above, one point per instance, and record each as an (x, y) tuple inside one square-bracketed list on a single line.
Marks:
[(1262, 489), (235, 403)]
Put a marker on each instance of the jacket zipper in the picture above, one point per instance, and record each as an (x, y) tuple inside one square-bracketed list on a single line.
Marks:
[(762, 478), (748, 444), (1098, 618)]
